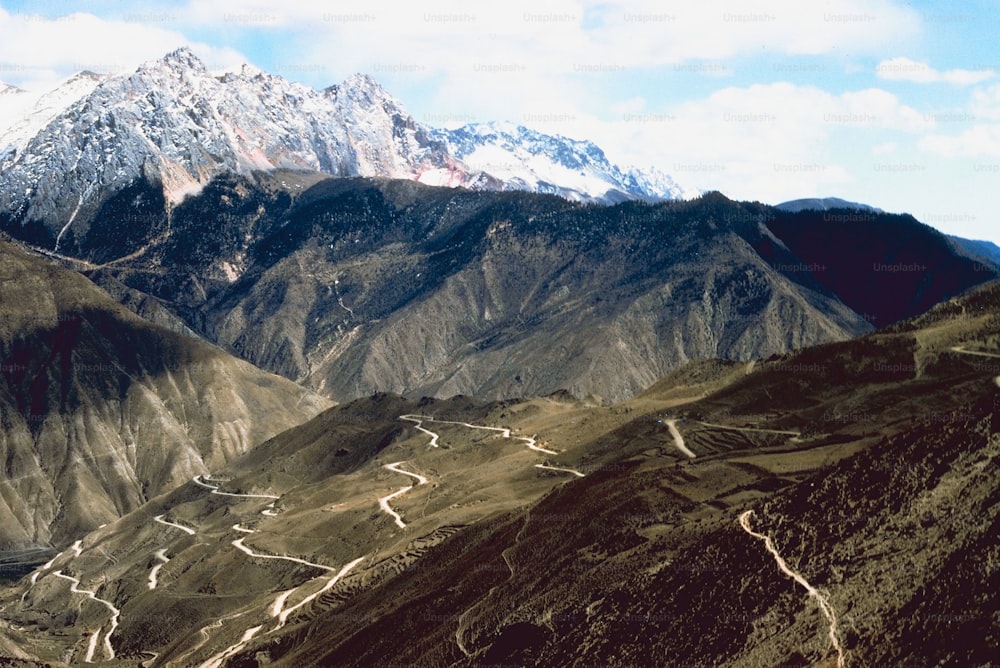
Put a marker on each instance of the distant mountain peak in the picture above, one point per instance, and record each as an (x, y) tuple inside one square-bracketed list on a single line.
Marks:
[(363, 90), (824, 204), (87, 74), (531, 160), (178, 63), (183, 58), (362, 81)]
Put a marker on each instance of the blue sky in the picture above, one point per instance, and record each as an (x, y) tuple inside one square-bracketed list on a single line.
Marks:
[(896, 104)]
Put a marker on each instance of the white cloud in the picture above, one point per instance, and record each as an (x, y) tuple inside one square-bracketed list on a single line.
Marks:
[(632, 32), (507, 59), (905, 69), (765, 141), (522, 60), (978, 141), (546, 52), (632, 107), (36, 52), (981, 139), (985, 103), (885, 148)]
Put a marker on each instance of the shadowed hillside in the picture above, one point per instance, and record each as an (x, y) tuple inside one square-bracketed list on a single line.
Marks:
[(102, 410)]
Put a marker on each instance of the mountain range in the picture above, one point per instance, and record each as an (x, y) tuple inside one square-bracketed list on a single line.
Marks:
[(351, 286), (175, 123), (288, 378)]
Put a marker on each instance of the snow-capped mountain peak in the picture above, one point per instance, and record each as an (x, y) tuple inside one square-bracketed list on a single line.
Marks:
[(175, 123), (180, 60), (361, 85)]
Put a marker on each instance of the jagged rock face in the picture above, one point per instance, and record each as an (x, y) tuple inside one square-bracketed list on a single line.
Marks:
[(24, 114), (102, 410), (176, 125)]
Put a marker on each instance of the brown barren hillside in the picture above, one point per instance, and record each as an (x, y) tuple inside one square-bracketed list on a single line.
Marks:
[(551, 531)]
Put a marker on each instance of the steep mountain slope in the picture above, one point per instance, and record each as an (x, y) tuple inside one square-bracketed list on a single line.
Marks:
[(915, 266), (987, 250), (386, 532), (175, 125), (841, 210), (102, 410), (354, 286)]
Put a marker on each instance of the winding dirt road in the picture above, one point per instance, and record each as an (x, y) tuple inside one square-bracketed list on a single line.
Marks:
[(961, 349), (38, 571), (231, 651), (678, 439), (384, 501), (277, 608), (421, 480), (824, 604), (188, 530), (161, 556), (215, 490), (279, 601), (115, 612), (282, 614), (559, 468), (420, 421), (531, 442), (238, 544), (205, 637)]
